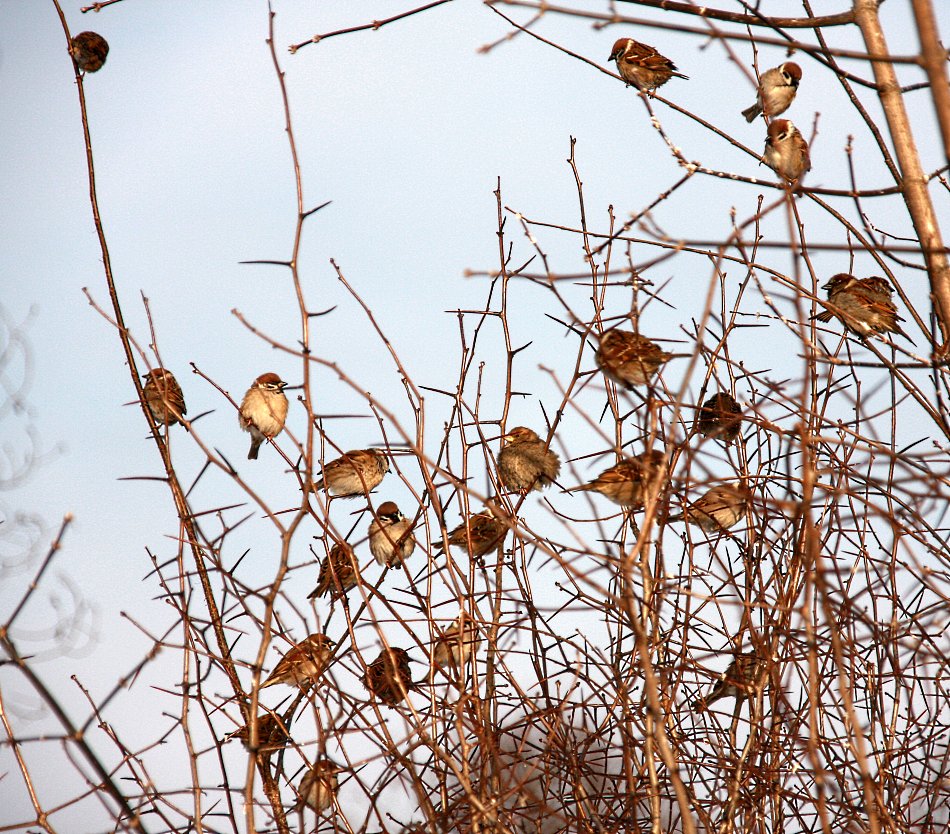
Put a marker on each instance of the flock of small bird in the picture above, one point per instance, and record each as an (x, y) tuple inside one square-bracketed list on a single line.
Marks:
[(525, 461)]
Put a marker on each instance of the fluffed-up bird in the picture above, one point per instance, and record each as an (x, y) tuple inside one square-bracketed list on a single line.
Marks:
[(719, 417), (786, 151), (163, 397), (263, 411), (271, 733), (339, 573), (863, 304), (303, 664), (630, 481), (390, 536), (719, 509), (355, 473), (641, 66), (525, 462), (319, 786), (89, 51), (740, 680), (479, 534), (630, 359), (776, 92), (388, 678), (454, 646)]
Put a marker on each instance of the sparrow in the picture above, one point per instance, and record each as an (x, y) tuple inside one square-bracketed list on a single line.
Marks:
[(319, 786), (303, 664), (163, 397), (642, 66), (786, 151), (525, 462), (390, 536), (863, 304), (355, 473), (479, 534), (271, 733), (263, 410), (630, 481), (738, 681), (454, 646), (719, 509), (777, 89), (89, 51), (630, 359), (339, 573), (388, 677), (719, 417)]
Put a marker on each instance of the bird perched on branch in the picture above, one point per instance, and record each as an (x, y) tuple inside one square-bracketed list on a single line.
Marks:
[(319, 786), (263, 410), (89, 51), (719, 509), (776, 92), (355, 473), (388, 677), (631, 481), (641, 66), (454, 646), (719, 417), (303, 664), (163, 397), (863, 304), (479, 534), (630, 359), (786, 151), (525, 462), (271, 733), (339, 573), (740, 680), (390, 536)]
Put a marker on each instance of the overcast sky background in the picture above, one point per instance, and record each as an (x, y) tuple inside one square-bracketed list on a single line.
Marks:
[(406, 130)]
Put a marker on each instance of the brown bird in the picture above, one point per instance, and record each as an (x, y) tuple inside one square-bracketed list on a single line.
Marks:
[(739, 681), (525, 462), (355, 473), (163, 397), (271, 733), (630, 359), (388, 677), (339, 573), (719, 417), (319, 786), (786, 151), (630, 481), (479, 534), (390, 536), (777, 89), (303, 664), (719, 509), (640, 65), (263, 411), (863, 304), (454, 646), (89, 51)]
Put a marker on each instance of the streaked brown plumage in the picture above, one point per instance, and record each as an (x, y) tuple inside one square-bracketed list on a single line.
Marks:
[(630, 359), (388, 677), (339, 572), (862, 304), (480, 534), (640, 65), (719, 417), (89, 51), (355, 473), (525, 462), (740, 680), (163, 397), (263, 410), (719, 509), (319, 786), (303, 664), (390, 536), (776, 91), (786, 151), (271, 733), (630, 481), (454, 646)]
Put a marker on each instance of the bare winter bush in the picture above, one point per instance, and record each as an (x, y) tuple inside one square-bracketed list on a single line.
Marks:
[(567, 648)]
